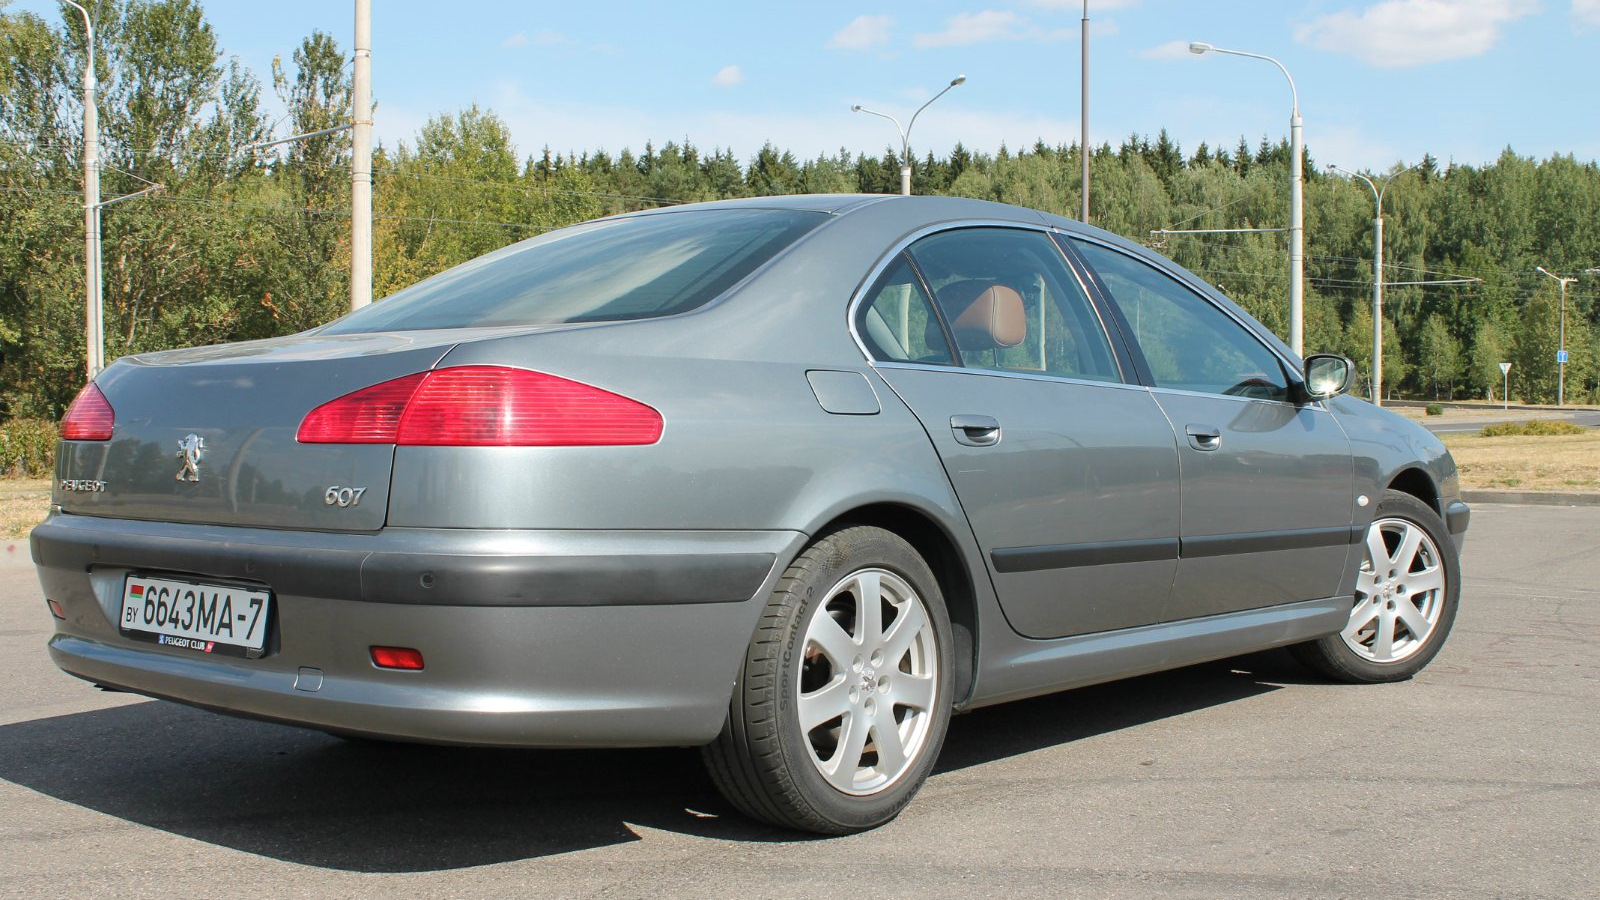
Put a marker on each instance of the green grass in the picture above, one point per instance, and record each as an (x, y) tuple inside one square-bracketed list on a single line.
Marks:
[(1535, 428)]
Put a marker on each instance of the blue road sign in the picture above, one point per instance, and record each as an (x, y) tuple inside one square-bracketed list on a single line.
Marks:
[(1561, 356)]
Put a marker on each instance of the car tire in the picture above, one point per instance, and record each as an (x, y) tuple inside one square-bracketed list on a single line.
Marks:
[(1407, 588), (843, 700)]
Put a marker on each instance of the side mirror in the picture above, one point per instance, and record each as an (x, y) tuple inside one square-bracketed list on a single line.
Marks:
[(1327, 375)]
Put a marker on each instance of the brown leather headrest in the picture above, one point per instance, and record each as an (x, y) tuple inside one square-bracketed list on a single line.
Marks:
[(993, 315)]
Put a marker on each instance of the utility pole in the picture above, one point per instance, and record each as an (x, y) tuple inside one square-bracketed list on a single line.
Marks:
[(361, 161), (1297, 231), (1083, 142), (1377, 275), (905, 133), (1561, 338), (93, 335)]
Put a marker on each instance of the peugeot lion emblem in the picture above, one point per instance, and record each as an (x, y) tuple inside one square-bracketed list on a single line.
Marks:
[(190, 449)]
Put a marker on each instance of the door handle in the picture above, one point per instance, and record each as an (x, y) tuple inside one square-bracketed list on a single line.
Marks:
[(976, 431), (1204, 437)]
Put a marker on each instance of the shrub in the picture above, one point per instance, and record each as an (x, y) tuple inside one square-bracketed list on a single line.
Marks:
[(1435, 409), (1535, 428), (27, 448)]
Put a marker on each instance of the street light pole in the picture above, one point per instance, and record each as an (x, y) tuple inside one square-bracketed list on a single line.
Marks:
[(1297, 260), (905, 133), (1083, 144), (361, 161), (1561, 339), (1377, 276), (93, 334)]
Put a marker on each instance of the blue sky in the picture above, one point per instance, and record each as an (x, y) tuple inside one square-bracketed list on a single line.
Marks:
[(1379, 82)]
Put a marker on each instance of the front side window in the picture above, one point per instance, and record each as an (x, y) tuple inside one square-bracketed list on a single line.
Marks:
[(1005, 298), (629, 268), (1190, 344)]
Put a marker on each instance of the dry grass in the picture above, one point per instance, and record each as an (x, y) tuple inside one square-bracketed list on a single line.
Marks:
[(23, 503), (1528, 462)]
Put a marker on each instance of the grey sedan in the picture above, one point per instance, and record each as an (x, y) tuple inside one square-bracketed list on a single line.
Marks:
[(790, 479)]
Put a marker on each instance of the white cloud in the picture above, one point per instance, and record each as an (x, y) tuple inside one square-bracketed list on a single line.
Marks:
[(536, 122), (863, 33), (728, 76), (990, 25), (1095, 6), (1405, 33), (548, 38), (1169, 50), (1586, 11), (543, 38)]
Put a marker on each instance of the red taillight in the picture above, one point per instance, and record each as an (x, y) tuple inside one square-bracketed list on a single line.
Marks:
[(89, 418), (397, 658), (482, 406), (368, 416)]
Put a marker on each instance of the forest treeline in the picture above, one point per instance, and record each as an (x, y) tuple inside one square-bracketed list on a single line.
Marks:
[(242, 245)]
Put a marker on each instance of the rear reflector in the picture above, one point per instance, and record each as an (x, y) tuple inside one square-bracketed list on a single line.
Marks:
[(89, 418), (56, 610), (397, 658), (482, 406)]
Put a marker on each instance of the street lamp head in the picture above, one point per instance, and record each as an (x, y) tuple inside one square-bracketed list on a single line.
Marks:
[(1199, 47), (856, 108), (959, 79)]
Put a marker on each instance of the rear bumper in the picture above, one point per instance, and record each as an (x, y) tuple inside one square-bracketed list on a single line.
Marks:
[(536, 639), (452, 567)]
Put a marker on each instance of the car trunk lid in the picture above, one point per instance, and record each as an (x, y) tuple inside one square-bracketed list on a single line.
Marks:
[(207, 435)]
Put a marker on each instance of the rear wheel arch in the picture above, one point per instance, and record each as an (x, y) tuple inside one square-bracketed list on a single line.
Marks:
[(940, 551)]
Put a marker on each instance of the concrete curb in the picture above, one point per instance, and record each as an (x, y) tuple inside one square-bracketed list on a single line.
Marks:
[(1533, 498)]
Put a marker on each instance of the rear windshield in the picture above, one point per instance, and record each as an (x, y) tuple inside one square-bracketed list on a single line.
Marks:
[(629, 268)]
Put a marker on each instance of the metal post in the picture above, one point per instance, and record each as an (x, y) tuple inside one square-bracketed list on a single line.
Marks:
[(1297, 229), (1561, 349), (1083, 145), (361, 161), (1561, 338), (905, 133), (1377, 274), (1377, 306), (1297, 256), (1505, 385), (94, 334)]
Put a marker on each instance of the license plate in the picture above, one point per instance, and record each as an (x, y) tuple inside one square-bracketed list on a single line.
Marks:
[(194, 615)]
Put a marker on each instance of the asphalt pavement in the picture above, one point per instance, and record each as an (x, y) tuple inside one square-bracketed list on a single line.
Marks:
[(1247, 778)]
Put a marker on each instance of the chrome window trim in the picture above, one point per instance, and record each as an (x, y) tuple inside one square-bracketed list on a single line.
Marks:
[(888, 258), (1005, 373), (1312, 404)]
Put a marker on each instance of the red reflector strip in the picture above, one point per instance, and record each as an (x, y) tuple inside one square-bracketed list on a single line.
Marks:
[(89, 418), (56, 610), (397, 658)]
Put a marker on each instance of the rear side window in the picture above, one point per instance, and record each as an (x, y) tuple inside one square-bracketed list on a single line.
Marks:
[(631, 268), (898, 323), (1189, 344), (1005, 298)]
